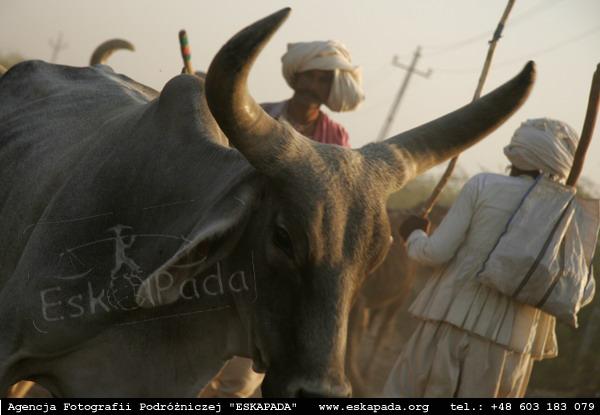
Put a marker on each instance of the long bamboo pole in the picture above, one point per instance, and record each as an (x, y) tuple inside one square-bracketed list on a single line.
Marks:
[(587, 131), (435, 194)]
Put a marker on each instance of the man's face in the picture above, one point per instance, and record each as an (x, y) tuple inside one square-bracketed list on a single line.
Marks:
[(313, 86)]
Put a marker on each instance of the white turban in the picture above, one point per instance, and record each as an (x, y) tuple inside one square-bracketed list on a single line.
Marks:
[(346, 90), (545, 145)]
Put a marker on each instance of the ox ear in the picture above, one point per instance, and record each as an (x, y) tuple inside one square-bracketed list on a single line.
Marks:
[(211, 240)]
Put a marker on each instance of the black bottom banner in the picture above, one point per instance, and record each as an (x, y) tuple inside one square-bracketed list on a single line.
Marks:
[(296, 406)]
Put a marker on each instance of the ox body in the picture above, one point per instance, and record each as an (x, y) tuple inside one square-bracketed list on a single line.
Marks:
[(139, 252)]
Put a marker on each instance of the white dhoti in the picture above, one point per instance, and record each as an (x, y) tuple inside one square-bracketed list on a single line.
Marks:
[(443, 361)]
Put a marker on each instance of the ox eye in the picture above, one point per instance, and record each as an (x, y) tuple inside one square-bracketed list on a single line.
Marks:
[(281, 239)]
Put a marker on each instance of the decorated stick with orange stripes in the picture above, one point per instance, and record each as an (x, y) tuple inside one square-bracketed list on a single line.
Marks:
[(186, 53)]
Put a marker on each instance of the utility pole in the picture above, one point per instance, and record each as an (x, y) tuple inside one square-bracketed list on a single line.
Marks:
[(409, 71), (57, 47)]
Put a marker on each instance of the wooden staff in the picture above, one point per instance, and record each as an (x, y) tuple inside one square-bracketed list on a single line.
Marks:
[(435, 194), (186, 53), (587, 131)]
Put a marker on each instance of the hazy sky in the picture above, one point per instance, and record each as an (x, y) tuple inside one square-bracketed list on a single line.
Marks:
[(561, 36)]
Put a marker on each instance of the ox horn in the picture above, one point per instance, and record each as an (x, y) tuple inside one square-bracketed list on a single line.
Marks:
[(104, 50), (263, 141), (412, 152)]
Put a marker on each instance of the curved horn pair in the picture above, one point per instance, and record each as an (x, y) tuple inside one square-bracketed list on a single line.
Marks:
[(265, 143)]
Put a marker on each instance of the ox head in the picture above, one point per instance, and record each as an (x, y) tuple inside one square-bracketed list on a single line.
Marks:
[(318, 224)]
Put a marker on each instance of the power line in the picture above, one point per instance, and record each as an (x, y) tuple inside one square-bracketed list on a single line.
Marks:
[(530, 55), (552, 48), (543, 6), (449, 47), (457, 45)]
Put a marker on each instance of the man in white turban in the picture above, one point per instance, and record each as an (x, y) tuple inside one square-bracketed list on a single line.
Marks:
[(543, 145), (473, 341), (320, 73)]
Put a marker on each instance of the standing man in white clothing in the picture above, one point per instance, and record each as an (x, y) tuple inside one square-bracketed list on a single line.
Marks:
[(473, 341)]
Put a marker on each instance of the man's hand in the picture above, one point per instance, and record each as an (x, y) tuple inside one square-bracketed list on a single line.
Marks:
[(412, 223)]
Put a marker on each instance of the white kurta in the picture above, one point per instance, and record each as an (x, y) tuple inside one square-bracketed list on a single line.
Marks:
[(452, 296)]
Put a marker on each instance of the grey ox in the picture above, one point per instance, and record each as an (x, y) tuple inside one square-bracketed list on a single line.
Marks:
[(139, 252)]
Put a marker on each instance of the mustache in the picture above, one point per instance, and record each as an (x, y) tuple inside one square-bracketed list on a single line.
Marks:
[(309, 93)]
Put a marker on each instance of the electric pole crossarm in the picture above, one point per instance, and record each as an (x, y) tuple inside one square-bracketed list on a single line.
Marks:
[(409, 71), (397, 63)]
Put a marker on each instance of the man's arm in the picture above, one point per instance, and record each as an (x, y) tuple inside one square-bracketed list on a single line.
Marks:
[(443, 244)]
